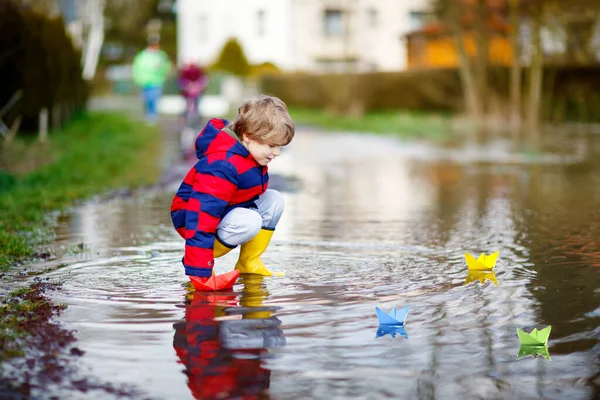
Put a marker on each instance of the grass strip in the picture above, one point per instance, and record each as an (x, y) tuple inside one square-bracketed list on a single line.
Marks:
[(403, 124), (95, 153)]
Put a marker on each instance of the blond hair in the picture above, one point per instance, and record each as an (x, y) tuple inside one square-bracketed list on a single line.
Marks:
[(264, 119)]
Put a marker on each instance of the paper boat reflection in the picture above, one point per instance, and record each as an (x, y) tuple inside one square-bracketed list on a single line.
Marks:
[(533, 351), (481, 276), (392, 330)]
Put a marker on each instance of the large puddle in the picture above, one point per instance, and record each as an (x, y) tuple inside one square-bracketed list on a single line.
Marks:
[(369, 222)]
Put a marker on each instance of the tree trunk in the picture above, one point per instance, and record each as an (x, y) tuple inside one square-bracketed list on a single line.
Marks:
[(481, 38), (451, 12), (515, 69), (467, 74), (535, 79), (95, 38), (548, 89)]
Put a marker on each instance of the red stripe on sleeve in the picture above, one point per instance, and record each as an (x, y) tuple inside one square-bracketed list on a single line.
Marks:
[(207, 223), (178, 204), (198, 257), (181, 231), (189, 178), (193, 205)]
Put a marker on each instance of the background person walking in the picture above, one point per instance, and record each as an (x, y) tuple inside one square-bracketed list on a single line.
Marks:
[(150, 69)]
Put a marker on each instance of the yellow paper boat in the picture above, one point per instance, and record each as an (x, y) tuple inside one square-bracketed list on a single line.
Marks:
[(481, 276), (483, 263)]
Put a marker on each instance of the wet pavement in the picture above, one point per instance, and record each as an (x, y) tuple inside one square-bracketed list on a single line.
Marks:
[(369, 221)]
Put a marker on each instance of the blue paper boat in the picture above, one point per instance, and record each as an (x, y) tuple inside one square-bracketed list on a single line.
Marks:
[(391, 330), (393, 318)]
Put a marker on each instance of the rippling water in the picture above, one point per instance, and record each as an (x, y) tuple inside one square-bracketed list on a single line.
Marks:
[(371, 222)]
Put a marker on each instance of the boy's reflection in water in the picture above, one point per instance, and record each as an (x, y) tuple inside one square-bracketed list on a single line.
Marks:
[(223, 344)]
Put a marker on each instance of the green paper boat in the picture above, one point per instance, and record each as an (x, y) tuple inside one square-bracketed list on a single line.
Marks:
[(535, 338), (534, 343)]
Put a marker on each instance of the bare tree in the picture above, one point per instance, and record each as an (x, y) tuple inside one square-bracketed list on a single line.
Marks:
[(580, 20), (536, 72), (515, 68), (91, 27), (480, 15), (450, 12), (540, 32)]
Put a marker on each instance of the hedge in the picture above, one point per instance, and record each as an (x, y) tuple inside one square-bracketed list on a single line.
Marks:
[(570, 93), (38, 58)]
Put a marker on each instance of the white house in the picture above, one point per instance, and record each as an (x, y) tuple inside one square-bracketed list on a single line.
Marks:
[(301, 35)]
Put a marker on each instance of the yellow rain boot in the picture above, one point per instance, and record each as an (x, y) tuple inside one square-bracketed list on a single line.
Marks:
[(219, 250), (253, 294), (249, 261)]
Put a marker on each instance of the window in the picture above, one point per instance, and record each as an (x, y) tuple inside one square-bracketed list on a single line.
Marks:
[(417, 20), (333, 23), (372, 18), (260, 22), (203, 29)]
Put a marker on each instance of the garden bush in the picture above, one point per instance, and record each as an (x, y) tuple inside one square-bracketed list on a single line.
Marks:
[(38, 58)]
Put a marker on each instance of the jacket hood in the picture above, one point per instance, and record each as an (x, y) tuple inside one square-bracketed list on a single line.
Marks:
[(213, 139)]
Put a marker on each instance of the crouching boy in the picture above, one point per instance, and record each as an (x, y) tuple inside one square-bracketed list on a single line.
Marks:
[(223, 201)]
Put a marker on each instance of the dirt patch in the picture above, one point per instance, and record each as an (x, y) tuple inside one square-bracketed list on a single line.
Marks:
[(38, 356)]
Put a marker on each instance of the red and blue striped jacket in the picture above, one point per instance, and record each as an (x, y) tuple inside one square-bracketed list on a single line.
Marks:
[(226, 176)]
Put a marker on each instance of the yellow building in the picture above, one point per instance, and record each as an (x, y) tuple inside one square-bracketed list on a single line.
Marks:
[(434, 46)]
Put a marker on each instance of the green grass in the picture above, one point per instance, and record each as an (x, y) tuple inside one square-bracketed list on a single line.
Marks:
[(403, 124), (95, 153)]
